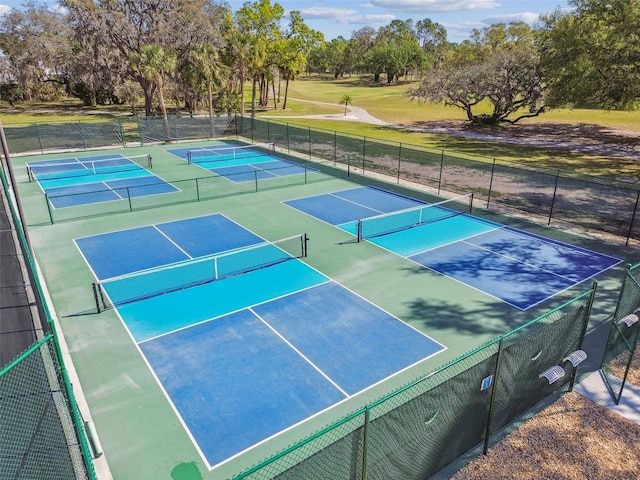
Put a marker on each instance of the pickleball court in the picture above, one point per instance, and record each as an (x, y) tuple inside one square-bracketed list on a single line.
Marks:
[(245, 339), (517, 267)]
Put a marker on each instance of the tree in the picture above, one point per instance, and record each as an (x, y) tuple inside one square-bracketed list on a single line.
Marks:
[(500, 67), (433, 39), (590, 55), (237, 55), (298, 42), (128, 26), (209, 68), (37, 44), (128, 92), (153, 62), (261, 21), (346, 100)]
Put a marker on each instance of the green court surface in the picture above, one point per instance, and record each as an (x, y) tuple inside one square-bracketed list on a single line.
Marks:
[(140, 433)]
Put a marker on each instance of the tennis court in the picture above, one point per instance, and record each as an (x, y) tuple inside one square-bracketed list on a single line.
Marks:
[(519, 268), (239, 164), (245, 339), (70, 182)]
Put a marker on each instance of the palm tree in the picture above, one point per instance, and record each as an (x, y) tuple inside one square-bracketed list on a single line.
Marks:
[(238, 55), (346, 100), (152, 63), (207, 62)]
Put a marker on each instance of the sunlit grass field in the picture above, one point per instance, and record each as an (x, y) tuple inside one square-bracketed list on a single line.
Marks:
[(390, 104)]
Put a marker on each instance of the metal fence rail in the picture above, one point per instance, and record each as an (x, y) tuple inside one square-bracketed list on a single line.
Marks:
[(41, 430), (623, 336), (588, 202), (416, 431), (554, 196)]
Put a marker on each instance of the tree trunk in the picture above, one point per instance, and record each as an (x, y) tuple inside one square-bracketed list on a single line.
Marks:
[(253, 97), (286, 92)]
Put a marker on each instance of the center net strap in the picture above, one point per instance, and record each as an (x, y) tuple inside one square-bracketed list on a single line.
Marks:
[(191, 273), (206, 155), (392, 222)]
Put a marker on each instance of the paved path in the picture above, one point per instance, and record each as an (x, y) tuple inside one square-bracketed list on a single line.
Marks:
[(355, 114)]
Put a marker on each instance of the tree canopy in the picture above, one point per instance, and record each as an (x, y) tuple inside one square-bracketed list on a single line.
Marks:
[(498, 68), (94, 49)]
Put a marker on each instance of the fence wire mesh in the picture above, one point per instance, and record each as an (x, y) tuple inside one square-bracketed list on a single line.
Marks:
[(38, 438), (623, 335), (416, 431)]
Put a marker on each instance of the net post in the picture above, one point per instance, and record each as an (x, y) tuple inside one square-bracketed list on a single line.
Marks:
[(359, 234), (255, 176), (29, 174), (46, 199), (149, 161), (471, 203), (188, 156), (96, 298), (305, 245)]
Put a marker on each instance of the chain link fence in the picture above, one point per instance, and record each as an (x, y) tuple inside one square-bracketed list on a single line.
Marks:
[(419, 430), (559, 197), (555, 196), (41, 430), (623, 336)]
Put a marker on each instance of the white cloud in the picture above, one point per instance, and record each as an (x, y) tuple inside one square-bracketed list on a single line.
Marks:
[(526, 17), (322, 13), (432, 6), (344, 16), (368, 19), (4, 10)]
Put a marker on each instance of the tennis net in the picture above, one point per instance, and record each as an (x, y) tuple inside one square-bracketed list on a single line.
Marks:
[(206, 155), (158, 281), (392, 222), (79, 167)]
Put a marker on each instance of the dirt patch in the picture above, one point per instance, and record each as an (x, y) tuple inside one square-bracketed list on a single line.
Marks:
[(573, 439), (585, 138)]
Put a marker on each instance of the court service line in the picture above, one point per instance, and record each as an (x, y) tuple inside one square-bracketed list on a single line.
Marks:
[(171, 240), (333, 194), (304, 357)]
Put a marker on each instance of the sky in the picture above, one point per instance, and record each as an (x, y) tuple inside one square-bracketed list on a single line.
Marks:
[(335, 18)]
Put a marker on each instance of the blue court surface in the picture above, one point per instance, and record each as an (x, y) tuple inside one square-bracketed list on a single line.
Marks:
[(238, 164), (247, 356), (71, 182), (517, 267)]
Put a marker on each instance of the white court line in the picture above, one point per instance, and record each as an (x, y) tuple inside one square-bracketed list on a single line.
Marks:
[(302, 355)]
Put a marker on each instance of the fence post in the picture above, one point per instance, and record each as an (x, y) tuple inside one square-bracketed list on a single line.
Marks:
[(583, 330), (491, 182), (365, 443), (121, 125), (39, 138), (553, 200), (399, 161), (441, 168), (140, 136), (288, 140), (492, 401), (309, 143), (335, 147), (633, 219), (84, 144), (364, 152)]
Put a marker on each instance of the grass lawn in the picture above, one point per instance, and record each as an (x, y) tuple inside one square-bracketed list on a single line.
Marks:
[(389, 103)]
